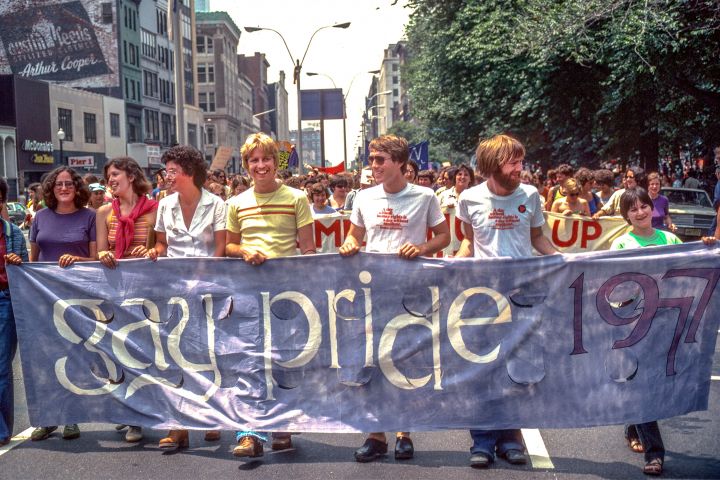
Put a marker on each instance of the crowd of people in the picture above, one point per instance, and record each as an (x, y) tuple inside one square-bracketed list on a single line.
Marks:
[(190, 211)]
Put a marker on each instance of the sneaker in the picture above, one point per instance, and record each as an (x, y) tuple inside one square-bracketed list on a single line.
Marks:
[(480, 460), (248, 446), (134, 434), (71, 432), (41, 433)]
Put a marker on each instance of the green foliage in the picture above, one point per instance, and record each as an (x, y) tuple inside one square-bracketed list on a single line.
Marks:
[(577, 80)]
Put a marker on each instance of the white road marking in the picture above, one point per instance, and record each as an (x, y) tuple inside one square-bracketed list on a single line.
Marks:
[(715, 377), (16, 440), (539, 456)]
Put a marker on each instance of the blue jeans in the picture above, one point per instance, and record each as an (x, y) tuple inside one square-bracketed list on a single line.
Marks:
[(650, 438), (488, 441), (8, 345)]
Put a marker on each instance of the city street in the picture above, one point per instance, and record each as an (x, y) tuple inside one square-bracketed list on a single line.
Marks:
[(692, 442)]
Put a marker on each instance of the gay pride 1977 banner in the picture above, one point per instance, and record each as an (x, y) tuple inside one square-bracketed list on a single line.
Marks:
[(371, 342)]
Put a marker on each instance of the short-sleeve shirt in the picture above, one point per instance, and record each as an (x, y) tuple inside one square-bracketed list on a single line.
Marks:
[(661, 208), (501, 224), (199, 240), (59, 233), (630, 240), (612, 206), (391, 219), (269, 221)]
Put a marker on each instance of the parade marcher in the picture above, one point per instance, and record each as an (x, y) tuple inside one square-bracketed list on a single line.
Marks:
[(190, 223), (426, 178), (571, 203), (35, 204), (462, 178), (366, 181), (66, 197), (586, 180), (562, 173), (634, 177), (661, 205), (124, 227), (13, 251), (97, 195), (636, 207), (266, 221), (239, 184), (340, 187), (319, 201), (604, 181), (420, 209), (515, 234), (411, 172)]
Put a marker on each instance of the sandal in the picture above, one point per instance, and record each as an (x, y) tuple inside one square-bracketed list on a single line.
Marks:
[(635, 445), (654, 467)]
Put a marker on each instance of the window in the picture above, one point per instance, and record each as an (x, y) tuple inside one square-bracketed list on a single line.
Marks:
[(150, 83), (186, 30), (206, 73), (134, 124), (394, 67), (152, 125), (395, 92), (65, 122), (149, 44), (107, 16), (162, 22), (204, 44), (192, 134), (207, 101), (210, 134), (114, 125), (165, 128), (90, 128), (395, 79)]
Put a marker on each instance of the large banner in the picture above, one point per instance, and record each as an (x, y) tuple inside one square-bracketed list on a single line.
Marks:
[(574, 234), (371, 342), (74, 41)]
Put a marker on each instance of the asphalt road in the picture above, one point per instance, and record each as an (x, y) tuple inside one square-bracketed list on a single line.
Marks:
[(692, 442)]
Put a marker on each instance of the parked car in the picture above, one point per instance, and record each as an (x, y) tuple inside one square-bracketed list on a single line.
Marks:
[(17, 212), (691, 211)]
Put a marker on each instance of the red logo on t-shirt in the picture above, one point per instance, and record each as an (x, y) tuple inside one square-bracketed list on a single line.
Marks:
[(522, 209), (392, 221)]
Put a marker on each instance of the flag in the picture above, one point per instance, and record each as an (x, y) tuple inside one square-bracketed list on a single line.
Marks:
[(419, 152), (340, 167)]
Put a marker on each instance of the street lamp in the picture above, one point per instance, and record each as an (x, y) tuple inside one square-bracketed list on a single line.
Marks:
[(296, 77), (61, 138), (312, 74)]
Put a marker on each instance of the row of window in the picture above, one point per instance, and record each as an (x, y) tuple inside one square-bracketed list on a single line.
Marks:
[(130, 18), (206, 72), (132, 90), (89, 125), (159, 127)]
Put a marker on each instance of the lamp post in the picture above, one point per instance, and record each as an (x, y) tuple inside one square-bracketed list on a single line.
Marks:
[(61, 138), (312, 74), (296, 78)]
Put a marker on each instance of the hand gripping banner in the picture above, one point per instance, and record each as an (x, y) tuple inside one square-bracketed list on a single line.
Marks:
[(370, 343)]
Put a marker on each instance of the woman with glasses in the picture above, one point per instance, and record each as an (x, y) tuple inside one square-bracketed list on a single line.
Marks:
[(571, 203), (66, 196)]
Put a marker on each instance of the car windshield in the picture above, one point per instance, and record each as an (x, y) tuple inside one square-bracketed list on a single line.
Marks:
[(687, 197)]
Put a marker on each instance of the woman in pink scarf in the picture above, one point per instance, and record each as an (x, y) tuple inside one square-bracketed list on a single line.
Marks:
[(123, 226)]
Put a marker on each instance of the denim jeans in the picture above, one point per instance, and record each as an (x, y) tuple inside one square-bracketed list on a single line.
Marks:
[(488, 441), (8, 345), (650, 438)]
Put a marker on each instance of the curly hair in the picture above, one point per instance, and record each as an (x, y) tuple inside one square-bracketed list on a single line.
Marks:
[(190, 160), (140, 184), (82, 194)]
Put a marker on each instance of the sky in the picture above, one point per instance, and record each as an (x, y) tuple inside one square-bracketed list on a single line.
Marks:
[(343, 54)]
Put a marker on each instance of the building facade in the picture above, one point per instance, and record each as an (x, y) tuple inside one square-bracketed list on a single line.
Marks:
[(278, 106), (255, 68)]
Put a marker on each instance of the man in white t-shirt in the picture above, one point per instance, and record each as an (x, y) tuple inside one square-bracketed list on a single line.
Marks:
[(395, 215), (501, 217)]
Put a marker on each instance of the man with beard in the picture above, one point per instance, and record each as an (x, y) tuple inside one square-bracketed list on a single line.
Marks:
[(501, 217)]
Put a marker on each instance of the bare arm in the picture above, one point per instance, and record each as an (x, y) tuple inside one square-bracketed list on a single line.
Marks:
[(160, 247), (306, 239), (234, 248), (105, 256), (467, 244), (34, 252), (540, 242), (353, 241), (219, 243)]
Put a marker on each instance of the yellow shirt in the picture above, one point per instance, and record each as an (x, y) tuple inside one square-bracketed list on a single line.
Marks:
[(269, 221)]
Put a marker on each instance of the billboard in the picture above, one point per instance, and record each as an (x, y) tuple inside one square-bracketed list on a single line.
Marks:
[(322, 104), (74, 42)]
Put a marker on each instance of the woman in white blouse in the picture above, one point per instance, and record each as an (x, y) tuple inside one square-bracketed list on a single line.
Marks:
[(190, 223)]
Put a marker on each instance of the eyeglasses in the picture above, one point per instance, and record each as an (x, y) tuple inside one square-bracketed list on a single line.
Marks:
[(376, 159), (171, 173), (66, 184)]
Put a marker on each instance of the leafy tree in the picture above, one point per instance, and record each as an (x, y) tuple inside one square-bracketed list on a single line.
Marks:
[(576, 80)]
